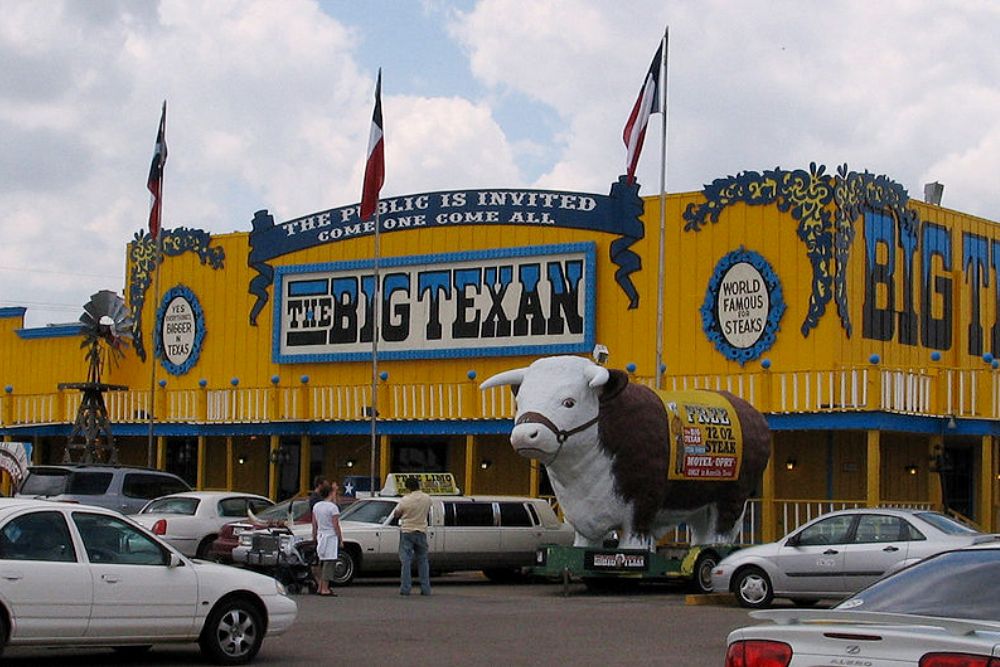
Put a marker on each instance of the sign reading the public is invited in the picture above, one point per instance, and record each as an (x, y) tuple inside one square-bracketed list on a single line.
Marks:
[(516, 301)]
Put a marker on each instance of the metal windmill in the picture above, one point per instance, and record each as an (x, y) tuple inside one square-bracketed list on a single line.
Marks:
[(107, 331)]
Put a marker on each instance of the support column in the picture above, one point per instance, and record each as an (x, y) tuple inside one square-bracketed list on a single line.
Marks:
[(768, 510), (874, 462), (383, 458), (470, 453), (200, 475), (986, 477), (935, 494), (161, 452), (305, 463), (272, 467), (534, 478), (230, 471)]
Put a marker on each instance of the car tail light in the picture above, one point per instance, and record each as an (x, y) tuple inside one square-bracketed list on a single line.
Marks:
[(958, 660), (160, 527), (758, 653)]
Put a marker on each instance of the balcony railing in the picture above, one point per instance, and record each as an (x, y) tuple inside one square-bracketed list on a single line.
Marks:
[(935, 392)]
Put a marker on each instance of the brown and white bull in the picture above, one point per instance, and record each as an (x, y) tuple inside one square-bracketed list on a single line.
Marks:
[(606, 445)]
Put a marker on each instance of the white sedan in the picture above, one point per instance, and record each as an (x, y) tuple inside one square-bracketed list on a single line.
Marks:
[(191, 521), (941, 612), (77, 575)]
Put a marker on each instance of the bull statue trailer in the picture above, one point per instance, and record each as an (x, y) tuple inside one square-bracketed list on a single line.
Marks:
[(626, 460)]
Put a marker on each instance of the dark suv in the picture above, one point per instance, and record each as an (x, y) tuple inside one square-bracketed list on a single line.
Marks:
[(119, 488)]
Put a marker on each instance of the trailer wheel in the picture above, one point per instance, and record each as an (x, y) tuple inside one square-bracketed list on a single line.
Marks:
[(703, 566)]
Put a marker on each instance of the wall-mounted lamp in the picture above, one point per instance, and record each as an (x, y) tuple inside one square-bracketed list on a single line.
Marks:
[(485, 463), (280, 455), (910, 469), (790, 463), (952, 424), (349, 463), (241, 460)]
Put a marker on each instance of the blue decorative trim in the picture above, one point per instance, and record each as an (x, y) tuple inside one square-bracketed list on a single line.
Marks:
[(60, 331), (776, 306), (850, 421), (14, 311), (182, 292), (589, 316)]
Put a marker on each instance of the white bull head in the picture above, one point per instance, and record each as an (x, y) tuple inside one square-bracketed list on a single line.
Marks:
[(557, 397)]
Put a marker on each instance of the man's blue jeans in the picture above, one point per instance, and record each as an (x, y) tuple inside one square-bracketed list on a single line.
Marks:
[(414, 545)]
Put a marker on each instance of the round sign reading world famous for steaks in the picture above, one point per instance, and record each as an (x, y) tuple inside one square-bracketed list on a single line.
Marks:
[(743, 304), (178, 330)]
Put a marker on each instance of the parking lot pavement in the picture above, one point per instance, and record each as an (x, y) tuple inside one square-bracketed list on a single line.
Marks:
[(469, 621)]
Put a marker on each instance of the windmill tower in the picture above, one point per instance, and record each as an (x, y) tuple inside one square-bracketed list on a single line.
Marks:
[(107, 330)]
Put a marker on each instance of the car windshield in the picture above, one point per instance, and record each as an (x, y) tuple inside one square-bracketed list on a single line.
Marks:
[(946, 524), (187, 506), (279, 512), (954, 584), (368, 511)]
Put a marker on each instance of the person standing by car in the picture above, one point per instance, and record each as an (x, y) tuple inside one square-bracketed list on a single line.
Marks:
[(314, 496), (326, 532), (412, 514)]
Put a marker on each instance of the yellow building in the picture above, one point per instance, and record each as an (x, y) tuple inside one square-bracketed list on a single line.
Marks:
[(862, 323)]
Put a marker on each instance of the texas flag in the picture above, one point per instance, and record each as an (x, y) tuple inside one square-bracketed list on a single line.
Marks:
[(648, 103), (375, 166), (155, 181)]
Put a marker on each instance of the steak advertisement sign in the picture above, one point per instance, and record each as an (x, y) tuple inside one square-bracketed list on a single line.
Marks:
[(533, 300)]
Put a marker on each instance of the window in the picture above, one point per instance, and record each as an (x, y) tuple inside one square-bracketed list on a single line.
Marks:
[(879, 528), (368, 511), (828, 531), (233, 507), (112, 541), (185, 506), (89, 483), (144, 485), (42, 536), (468, 514), (514, 514)]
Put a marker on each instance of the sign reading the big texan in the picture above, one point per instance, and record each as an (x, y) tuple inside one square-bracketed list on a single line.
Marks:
[(532, 300), (616, 213)]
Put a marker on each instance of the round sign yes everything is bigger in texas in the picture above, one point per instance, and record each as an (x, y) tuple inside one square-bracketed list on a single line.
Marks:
[(180, 324)]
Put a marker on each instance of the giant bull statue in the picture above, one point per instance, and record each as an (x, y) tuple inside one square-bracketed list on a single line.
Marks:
[(623, 457)]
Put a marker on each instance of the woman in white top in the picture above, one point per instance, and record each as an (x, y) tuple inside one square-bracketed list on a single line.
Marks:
[(326, 533)]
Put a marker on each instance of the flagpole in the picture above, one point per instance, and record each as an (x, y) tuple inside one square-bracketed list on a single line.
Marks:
[(376, 313), (660, 288), (157, 259)]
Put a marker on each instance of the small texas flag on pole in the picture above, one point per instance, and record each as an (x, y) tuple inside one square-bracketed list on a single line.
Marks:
[(375, 166), (647, 104), (155, 181)]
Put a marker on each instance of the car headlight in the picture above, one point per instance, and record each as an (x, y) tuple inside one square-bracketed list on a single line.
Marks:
[(280, 587), (246, 539)]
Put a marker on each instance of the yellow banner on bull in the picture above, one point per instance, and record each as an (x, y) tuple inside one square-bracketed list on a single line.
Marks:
[(706, 441)]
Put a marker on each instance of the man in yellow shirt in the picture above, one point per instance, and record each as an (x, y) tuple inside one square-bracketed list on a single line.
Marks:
[(412, 513)]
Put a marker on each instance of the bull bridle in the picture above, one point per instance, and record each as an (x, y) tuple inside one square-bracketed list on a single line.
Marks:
[(561, 434)]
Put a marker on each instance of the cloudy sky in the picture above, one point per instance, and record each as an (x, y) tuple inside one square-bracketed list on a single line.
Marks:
[(269, 106)]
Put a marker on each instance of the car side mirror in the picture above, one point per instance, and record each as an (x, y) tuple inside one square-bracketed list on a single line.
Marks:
[(792, 541), (175, 560)]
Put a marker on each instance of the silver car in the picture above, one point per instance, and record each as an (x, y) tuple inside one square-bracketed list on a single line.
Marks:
[(941, 612), (838, 554)]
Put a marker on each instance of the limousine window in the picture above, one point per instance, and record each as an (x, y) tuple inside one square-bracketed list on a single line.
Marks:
[(368, 511), (514, 514), (468, 514)]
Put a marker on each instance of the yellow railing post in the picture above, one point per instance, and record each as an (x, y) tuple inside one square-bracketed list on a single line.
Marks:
[(984, 393), (7, 406), (305, 406), (202, 407)]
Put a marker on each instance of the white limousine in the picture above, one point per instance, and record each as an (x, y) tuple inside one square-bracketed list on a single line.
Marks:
[(496, 534)]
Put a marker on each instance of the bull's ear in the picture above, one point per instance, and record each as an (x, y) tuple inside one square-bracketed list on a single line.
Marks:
[(617, 381), (596, 375)]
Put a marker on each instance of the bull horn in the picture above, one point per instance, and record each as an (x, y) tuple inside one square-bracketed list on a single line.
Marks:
[(514, 377), (598, 375), (252, 516)]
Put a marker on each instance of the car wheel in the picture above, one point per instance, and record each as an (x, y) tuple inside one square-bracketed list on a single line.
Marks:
[(703, 566), (204, 546), (233, 632), (753, 588), (345, 569), (3, 633)]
